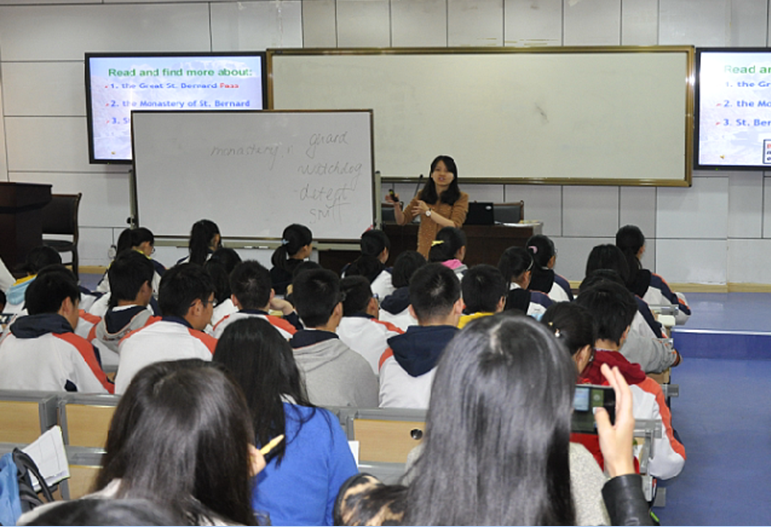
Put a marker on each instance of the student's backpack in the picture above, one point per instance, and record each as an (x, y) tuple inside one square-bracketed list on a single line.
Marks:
[(17, 495)]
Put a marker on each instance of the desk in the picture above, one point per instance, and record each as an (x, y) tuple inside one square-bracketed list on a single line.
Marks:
[(485, 243)]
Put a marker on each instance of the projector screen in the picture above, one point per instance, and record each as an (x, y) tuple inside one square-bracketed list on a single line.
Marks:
[(733, 104), (116, 84)]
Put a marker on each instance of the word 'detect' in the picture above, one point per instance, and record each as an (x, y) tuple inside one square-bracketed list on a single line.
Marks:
[(330, 196)]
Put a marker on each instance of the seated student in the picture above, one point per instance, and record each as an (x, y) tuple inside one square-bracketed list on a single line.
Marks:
[(36, 259), (130, 277), (360, 328), (306, 265), (544, 279), (647, 285), (375, 250), (252, 296), (296, 246), (654, 355), (42, 352), (516, 266), (181, 434), (300, 483), (219, 267), (204, 239), (407, 367), (334, 374), (609, 256), (484, 293), (142, 240), (449, 249), (613, 309), (186, 299), (40, 260), (394, 307)]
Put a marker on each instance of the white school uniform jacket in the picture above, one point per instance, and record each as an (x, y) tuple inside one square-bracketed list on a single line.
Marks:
[(382, 286), (401, 320), (668, 454), (282, 325), (659, 293), (407, 367), (221, 310), (86, 322), (42, 353), (394, 309), (6, 278), (170, 338), (367, 336)]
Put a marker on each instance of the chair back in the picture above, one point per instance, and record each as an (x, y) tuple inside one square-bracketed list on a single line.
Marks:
[(84, 464), (60, 216), (386, 435), (24, 415), (512, 212), (85, 419)]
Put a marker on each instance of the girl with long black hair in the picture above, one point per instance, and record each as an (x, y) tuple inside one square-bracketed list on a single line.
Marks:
[(300, 483)]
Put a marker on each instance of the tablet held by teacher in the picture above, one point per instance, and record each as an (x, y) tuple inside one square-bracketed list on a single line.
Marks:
[(439, 204)]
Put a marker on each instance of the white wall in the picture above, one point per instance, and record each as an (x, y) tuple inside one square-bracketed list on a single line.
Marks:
[(718, 231)]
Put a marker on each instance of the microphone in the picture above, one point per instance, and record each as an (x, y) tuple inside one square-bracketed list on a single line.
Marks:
[(420, 180)]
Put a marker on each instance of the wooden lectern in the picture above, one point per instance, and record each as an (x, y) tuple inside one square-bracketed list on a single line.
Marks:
[(21, 220)]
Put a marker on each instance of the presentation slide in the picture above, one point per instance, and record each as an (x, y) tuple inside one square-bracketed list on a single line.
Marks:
[(734, 94), (120, 84)]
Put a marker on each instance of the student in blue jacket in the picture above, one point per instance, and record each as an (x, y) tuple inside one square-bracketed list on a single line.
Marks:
[(301, 480)]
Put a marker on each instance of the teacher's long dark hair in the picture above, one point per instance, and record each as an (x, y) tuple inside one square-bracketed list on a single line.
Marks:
[(449, 196)]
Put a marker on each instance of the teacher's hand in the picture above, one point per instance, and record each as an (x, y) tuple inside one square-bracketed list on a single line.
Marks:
[(419, 208)]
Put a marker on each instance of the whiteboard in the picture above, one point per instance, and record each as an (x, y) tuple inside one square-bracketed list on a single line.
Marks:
[(254, 172), (618, 116)]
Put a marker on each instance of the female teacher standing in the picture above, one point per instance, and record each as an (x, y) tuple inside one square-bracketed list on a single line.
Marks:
[(440, 203)]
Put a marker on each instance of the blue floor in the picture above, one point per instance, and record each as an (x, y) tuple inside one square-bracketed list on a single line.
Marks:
[(722, 414), (723, 420), (726, 326)]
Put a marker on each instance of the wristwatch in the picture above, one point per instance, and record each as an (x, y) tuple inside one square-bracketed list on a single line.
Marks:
[(428, 213)]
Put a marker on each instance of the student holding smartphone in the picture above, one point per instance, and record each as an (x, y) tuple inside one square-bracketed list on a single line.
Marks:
[(496, 452), (593, 329)]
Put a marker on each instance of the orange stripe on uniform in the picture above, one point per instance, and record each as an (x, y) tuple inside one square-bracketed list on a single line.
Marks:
[(88, 317), (387, 354), (91, 334), (282, 323), (651, 386), (220, 321), (208, 341), (86, 350), (389, 326)]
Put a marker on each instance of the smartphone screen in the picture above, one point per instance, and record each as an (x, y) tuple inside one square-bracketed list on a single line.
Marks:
[(586, 399)]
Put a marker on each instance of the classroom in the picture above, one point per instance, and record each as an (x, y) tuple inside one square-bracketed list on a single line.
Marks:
[(706, 238)]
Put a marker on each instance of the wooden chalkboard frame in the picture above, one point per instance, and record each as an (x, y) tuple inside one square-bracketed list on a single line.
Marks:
[(687, 123)]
